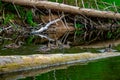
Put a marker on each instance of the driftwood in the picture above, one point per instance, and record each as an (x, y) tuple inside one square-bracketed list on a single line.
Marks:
[(39, 61), (65, 8)]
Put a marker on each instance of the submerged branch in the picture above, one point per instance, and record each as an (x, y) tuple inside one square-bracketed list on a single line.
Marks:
[(46, 37)]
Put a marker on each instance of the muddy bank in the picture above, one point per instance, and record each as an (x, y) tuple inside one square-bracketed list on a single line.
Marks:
[(20, 63)]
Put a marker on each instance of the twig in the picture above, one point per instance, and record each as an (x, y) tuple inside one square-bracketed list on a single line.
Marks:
[(6, 28), (47, 25), (96, 4), (66, 25), (83, 4), (17, 10), (115, 7), (66, 37), (76, 2)]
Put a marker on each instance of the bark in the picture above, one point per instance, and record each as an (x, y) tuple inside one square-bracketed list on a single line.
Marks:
[(66, 8)]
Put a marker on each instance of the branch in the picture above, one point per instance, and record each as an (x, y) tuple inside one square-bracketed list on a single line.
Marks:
[(5, 28), (47, 25)]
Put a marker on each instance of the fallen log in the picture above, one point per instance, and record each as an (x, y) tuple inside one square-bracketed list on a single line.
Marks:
[(39, 61), (66, 8)]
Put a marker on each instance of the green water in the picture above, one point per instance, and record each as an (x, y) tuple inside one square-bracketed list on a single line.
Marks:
[(106, 69), (32, 49)]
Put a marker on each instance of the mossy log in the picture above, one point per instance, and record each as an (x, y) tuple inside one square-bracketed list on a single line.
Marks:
[(65, 8), (38, 61)]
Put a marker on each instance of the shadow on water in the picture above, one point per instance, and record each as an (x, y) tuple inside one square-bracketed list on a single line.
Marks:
[(105, 69)]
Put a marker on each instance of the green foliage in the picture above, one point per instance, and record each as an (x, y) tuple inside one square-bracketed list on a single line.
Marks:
[(30, 39), (116, 2), (9, 7), (109, 35), (0, 4), (10, 12), (70, 2), (29, 18), (60, 1), (8, 18), (118, 31), (79, 32), (78, 26)]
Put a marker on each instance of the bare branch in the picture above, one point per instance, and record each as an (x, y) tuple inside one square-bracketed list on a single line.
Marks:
[(47, 25)]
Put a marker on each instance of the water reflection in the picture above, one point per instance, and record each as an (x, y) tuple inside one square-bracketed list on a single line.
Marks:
[(106, 69), (34, 73)]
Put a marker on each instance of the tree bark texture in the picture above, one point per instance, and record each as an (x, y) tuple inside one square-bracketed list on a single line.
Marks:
[(66, 8)]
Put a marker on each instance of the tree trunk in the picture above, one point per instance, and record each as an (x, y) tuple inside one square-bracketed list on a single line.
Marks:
[(21, 63), (66, 8)]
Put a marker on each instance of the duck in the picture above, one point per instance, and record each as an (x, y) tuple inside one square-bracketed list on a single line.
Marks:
[(50, 46), (109, 48), (14, 45), (45, 48), (61, 45), (67, 45)]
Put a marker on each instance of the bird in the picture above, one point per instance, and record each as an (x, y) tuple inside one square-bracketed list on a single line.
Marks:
[(14, 45), (109, 48), (44, 49), (61, 45), (67, 45), (50, 46)]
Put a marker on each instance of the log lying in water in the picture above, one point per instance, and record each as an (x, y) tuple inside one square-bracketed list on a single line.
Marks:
[(21, 63), (65, 8)]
